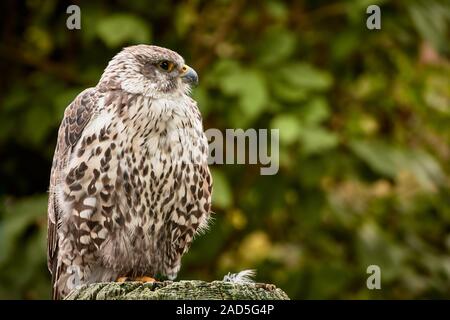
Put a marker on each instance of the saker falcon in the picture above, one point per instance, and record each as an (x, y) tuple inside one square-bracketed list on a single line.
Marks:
[(130, 184)]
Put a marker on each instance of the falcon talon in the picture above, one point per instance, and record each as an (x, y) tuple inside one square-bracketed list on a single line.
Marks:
[(122, 279), (145, 279)]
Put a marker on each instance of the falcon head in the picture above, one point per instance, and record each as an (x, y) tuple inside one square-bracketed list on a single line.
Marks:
[(150, 71)]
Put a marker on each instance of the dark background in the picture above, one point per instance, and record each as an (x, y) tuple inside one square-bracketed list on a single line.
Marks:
[(364, 134)]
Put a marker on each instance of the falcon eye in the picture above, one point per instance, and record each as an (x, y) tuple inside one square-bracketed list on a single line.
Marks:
[(166, 65)]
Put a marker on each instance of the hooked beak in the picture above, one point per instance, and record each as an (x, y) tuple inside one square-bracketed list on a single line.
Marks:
[(189, 75)]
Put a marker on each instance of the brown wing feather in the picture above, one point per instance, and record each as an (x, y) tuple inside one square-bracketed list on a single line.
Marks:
[(76, 117)]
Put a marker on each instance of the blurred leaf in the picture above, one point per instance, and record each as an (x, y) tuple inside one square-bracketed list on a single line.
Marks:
[(250, 86), (375, 248), (288, 93), (315, 140), (223, 197), (369, 85), (390, 160), (432, 19), (255, 247), (39, 41), (282, 45), (345, 44), (185, 18), (276, 9), (302, 75), (315, 111), (289, 127), (437, 92), (119, 29), (37, 124), (17, 219), (16, 99), (200, 95)]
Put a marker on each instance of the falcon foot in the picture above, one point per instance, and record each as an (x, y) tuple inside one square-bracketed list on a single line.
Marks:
[(139, 279)]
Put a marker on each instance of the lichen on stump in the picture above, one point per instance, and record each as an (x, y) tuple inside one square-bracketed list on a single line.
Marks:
[(180, 290)]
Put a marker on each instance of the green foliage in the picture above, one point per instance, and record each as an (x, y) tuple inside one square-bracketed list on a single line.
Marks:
[(119, 29), (364, 136), (22, 248)]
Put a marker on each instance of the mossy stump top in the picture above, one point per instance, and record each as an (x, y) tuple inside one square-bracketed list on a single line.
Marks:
[(179, 290)]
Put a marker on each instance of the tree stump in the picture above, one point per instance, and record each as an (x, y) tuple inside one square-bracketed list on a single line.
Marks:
[(179, 290)]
